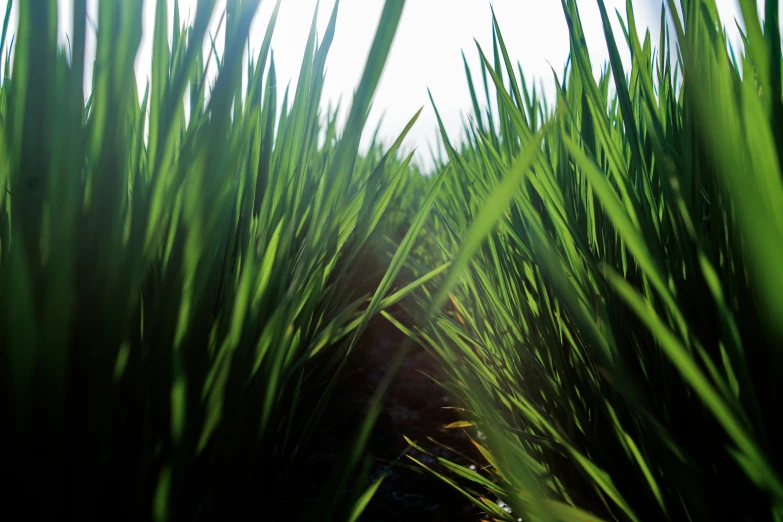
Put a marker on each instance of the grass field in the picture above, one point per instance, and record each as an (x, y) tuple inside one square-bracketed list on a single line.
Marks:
[(183, 285)]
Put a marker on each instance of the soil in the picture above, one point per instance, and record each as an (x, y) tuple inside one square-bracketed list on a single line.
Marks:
[(414, 407)]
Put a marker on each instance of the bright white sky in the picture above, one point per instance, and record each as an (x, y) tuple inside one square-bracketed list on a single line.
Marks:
[(426, 50)]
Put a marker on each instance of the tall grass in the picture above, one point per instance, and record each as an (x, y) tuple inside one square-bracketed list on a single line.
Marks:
[(177, 281), (182, 283), (612, 317)]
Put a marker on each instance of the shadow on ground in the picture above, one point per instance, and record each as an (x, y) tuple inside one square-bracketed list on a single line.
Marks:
[(414, 407)]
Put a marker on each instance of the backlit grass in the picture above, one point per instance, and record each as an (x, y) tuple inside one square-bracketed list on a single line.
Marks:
[(177, 280), (184, 272), (611, 320)]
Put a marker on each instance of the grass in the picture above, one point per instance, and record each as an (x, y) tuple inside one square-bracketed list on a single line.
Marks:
[(181, 284), (611, 320), (178, 279)]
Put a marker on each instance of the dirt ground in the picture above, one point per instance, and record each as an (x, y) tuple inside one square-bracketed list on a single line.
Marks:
[(413, 407)]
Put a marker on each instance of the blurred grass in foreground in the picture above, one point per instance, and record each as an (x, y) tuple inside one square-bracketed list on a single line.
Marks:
[(177, 280)]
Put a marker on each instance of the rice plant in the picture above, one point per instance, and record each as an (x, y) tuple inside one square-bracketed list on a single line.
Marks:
[(612, 316), (184, 271), (178, 267)]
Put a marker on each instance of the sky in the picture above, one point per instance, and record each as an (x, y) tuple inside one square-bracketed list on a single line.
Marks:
[(426, 53)]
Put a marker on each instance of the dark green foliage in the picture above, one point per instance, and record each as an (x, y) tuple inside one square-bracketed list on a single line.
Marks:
[(181, 285), (612, 318), (177, 289)]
